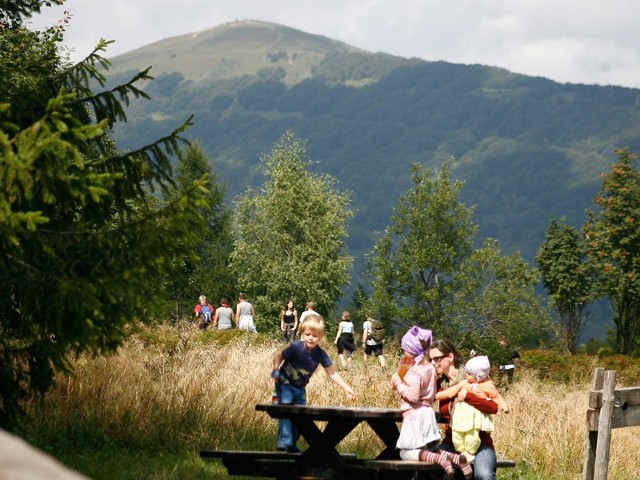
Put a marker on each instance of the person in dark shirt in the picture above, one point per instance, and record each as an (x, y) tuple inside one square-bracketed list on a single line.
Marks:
[(289, 322), (292, 370), (508, 360)]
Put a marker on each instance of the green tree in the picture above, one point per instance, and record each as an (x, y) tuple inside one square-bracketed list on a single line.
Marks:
[(562, 258), (81, 234), (613, 247), (209, 272), (289, 239), (358, 303), (494, 299), (414, 261)]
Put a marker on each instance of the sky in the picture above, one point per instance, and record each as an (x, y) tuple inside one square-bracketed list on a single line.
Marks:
[(568, 41)]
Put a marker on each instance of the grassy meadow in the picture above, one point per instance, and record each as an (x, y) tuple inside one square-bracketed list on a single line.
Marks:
[(171, 391)]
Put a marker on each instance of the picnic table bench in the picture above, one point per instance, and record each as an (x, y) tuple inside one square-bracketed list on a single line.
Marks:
[(321, 460)]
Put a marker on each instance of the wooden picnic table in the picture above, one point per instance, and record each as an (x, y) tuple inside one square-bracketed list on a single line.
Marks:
[(321, 460), (340, 422)]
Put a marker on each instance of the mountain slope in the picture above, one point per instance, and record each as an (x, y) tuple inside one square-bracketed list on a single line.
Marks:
[(528, 148), (234, 49)]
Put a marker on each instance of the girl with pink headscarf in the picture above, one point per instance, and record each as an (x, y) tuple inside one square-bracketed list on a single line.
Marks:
[(420, 435)]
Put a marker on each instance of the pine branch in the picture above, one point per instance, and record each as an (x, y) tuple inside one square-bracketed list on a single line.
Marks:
[(156, 154), (108, 104)]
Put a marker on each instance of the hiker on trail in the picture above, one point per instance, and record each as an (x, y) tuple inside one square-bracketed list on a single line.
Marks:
[(373, 340), (203, 312), (224, 318), (311, 309), (345, 339), (245, 314), (507, 359), (289, 322)]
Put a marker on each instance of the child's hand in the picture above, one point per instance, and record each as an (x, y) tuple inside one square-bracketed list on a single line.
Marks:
[(462, 394), (395, 381), (439, 396)]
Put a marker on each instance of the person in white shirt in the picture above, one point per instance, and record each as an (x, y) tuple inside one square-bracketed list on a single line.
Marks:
[(310, 310), (370, 345)]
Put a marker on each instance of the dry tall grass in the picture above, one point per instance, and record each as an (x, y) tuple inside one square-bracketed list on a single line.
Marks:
[(186, 390)]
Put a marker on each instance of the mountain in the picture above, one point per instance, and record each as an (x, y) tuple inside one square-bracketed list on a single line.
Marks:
[(528, 148), (234, 49)]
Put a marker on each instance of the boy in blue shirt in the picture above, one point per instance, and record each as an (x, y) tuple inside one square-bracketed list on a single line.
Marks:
[(292, 370)]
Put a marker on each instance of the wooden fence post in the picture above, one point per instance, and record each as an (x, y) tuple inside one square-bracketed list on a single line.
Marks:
[(609, 408), (592, 436), (604, 426)]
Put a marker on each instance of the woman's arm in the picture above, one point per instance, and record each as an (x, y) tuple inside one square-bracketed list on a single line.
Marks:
[(481, 402), (339, 332), (450, 392)]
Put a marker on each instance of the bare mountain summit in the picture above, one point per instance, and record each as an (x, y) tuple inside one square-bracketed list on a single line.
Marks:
[(233, 49)]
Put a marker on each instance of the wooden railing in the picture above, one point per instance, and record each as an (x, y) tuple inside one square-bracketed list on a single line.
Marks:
[(609, 408)]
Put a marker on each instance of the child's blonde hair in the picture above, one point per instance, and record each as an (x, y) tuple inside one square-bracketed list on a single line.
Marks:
[(314, 323)]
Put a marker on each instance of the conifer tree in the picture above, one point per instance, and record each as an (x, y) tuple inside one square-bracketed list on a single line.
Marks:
[(209, 273), (81, 235)]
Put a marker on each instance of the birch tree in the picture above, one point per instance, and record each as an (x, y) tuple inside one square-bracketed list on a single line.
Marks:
[(289, 235)]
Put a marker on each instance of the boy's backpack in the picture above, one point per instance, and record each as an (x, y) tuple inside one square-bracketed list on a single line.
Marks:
[(377, 331), (205, 312)]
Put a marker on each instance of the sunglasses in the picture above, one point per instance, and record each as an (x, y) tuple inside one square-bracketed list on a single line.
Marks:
[(438, 359)]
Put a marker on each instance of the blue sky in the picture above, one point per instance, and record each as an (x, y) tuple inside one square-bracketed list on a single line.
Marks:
[(575, 41)]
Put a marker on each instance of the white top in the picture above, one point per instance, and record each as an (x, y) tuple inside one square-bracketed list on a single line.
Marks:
[(367, 327), (304, 315)]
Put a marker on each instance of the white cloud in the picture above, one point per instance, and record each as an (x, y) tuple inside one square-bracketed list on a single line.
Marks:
[(578, 41)]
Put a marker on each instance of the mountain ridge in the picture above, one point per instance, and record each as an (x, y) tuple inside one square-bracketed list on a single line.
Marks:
[(528, 148), (234, 49)]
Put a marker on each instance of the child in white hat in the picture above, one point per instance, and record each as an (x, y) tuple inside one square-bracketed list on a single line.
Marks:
[(466, 421), (419, 434)]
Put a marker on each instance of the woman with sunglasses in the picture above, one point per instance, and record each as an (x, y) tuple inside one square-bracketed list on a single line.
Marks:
[(447, 361), (416, 384)]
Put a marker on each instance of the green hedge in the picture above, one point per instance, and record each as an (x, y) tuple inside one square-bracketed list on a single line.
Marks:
[(554, 366)]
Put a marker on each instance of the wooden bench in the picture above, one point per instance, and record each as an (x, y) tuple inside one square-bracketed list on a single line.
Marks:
[(403, 465), (249, 455), (270, 463), (286, 465), (322, 460)]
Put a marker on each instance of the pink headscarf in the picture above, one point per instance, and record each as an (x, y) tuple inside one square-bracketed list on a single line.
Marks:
[(413, 340)]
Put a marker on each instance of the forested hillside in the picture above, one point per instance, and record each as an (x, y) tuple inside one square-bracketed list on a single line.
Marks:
[(528, 148)]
